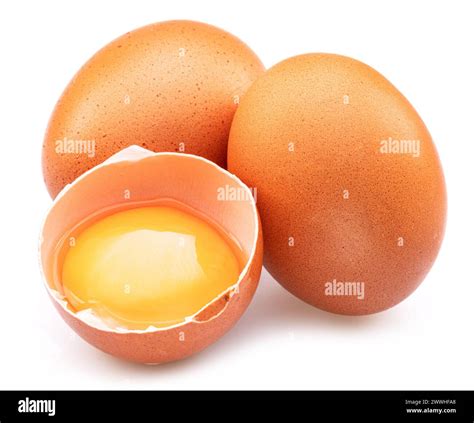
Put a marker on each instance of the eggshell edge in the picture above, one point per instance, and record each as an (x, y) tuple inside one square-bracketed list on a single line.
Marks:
[(160, 345)]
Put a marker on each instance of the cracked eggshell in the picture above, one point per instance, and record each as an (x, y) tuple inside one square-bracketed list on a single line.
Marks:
[(317, 136), (170, 86), (146, 176)]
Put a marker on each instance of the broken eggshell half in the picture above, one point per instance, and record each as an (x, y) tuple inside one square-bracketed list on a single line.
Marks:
[(146, 176)]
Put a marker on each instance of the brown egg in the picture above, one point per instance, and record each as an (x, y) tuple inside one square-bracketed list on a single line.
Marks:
[(350, 187), (171, 86), (191, 180)]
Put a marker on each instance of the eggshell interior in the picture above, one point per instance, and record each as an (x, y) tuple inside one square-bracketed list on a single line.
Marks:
[(136, 174)]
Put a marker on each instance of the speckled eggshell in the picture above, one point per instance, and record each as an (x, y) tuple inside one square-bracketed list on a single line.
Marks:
[(337, 207), (146, 176), (171, 86)]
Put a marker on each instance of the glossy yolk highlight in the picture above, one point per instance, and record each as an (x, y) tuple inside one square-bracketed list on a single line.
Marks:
[(148, 266)]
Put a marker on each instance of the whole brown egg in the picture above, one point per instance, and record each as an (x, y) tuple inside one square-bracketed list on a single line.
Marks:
[(349, 184), (170, 86)]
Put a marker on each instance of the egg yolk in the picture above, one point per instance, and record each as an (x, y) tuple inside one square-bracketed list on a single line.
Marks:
[(145, 266)]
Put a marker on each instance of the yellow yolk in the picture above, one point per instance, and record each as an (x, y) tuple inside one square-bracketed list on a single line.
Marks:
[(147, 266)]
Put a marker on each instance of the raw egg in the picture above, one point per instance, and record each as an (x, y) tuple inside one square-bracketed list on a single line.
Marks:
[(156, 263), (350, 187), (170, 86), (152, 257)]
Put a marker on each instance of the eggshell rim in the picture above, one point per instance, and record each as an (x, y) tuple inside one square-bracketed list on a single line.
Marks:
[(135, 153)]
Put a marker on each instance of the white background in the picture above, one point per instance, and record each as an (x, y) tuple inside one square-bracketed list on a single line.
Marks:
[(424, 48)]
